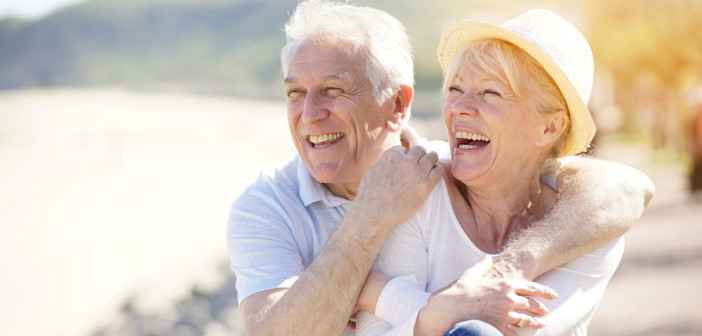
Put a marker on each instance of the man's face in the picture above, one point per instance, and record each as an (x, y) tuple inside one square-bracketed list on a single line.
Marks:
[(337, 126)]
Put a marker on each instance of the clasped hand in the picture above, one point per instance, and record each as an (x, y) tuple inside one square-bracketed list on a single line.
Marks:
[(500, 302), (398, 183)]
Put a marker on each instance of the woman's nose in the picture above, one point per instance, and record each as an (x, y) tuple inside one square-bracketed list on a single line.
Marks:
[(464, 105)]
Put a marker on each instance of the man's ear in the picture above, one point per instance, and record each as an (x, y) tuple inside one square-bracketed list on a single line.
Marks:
[(553, 128), (401, 107)]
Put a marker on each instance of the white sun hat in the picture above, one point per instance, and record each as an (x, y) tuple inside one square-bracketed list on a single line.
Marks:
[(555, 44)]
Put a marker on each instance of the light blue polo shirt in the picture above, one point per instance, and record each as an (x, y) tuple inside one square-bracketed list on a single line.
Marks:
[(278, 226)]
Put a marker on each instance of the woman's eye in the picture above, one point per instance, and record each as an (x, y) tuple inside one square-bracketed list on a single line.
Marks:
[(454, 89), (492, 92)]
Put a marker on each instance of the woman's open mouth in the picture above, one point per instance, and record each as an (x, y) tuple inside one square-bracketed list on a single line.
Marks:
[(465, 140)]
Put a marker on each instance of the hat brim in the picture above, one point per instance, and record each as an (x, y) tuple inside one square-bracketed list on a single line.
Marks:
[(461, 33)]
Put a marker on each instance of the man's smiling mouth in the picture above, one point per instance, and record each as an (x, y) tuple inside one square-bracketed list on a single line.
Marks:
[(323, 140)]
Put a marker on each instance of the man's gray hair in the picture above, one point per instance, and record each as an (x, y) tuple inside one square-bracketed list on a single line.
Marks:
[(371, 32)]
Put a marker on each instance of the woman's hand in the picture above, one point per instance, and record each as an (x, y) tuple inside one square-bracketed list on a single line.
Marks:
[(500, 302)]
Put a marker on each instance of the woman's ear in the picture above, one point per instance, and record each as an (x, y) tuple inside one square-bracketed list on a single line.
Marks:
[(553, 128), (400, 113)]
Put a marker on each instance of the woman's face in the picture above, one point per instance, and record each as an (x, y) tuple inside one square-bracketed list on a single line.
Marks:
[(493, 133)]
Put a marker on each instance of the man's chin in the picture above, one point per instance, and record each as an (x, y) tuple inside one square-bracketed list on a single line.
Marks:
[(325, 172)]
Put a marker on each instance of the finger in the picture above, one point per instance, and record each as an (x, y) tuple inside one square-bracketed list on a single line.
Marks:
[(526, 288), (435, 174), (528, 304), (527, 321), (429, 160), (399, 148), (506, 331), (417, 152), (351, 325)]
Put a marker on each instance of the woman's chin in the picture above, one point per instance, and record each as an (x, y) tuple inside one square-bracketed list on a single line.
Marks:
[(466, 173)]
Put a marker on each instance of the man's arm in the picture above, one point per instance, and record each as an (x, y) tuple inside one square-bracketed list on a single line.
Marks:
[(598, 202), (322, 299)]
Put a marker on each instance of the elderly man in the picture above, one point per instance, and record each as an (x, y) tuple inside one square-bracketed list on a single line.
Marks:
[(303, 238)]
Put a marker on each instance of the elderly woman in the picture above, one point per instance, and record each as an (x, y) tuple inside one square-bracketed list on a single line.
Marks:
[(516, 99)]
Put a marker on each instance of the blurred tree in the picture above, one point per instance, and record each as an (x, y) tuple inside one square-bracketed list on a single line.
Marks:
[(653, 48)]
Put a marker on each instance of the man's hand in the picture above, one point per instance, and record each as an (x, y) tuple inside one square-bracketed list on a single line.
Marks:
[(500, 302), (390, 192), (394, 187)]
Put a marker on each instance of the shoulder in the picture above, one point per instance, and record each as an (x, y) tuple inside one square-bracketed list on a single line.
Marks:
[(269, 198), (271, 187)]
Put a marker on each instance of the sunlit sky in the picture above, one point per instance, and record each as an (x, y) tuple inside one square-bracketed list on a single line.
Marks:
[(31, 9)]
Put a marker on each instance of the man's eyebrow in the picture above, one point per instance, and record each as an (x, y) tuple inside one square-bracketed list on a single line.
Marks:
[(344, 76)]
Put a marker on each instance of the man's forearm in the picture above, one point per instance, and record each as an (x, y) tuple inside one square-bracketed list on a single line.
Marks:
[(322, 299), (598, 202)]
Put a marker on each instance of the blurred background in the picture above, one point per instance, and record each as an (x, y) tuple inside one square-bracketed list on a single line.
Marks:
[(127, 129)]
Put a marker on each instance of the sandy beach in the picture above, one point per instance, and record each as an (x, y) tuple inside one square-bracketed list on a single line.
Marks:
[(109, 195)]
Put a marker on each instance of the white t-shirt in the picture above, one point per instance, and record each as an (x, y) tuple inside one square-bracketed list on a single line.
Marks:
[(431, 250)]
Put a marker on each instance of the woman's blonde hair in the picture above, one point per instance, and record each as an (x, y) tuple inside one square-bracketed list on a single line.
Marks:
[(517, 70)]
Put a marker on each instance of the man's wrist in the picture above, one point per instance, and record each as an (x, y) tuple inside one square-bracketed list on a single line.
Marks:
[(512, 265), (369, 227)]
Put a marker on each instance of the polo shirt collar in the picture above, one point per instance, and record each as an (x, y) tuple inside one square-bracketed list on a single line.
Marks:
[(311, 191)]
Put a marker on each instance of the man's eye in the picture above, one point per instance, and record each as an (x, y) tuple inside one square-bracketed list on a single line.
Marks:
[(295, 93), (333, 90)]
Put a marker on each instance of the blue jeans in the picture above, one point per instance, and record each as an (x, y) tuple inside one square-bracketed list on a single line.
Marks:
[(473, 328)]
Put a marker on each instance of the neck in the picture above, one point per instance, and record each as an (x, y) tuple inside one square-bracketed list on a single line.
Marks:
[(502, 210), (344, 190)]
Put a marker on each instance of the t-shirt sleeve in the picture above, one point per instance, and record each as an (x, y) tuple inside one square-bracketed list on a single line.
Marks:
[(404, 258), (262, 248)]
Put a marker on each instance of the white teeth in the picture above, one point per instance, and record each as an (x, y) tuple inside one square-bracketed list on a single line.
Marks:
[(467, 146), (471, 136), (315, 139)]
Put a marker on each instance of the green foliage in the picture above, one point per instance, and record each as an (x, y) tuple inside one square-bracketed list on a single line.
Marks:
[(211, 46)]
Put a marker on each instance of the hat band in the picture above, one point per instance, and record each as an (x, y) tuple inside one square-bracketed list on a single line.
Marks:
[(533, 38)]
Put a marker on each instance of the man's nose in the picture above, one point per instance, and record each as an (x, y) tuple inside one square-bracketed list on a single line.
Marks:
[(314, 109)]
